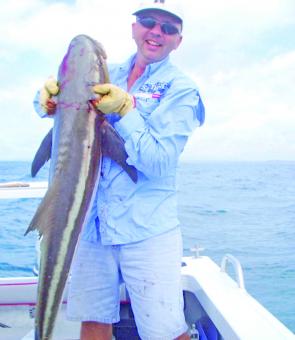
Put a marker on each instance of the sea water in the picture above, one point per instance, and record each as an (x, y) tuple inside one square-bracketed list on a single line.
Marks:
[(246, 209)]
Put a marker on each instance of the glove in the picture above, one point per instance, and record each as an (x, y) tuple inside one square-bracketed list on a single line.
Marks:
[(113, 99), (49, 89)]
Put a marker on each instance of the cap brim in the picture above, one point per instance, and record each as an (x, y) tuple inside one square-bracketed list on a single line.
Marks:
[(141, 11)]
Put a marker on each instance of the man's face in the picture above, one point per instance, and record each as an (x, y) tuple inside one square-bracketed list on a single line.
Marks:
[(152, 44)]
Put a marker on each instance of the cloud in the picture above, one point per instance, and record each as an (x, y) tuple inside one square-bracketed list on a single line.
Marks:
[(49, 27), (250, 113), (227, 34), (240, 54)]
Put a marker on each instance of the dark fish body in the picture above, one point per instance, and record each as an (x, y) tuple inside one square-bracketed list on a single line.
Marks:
[(78, 135)]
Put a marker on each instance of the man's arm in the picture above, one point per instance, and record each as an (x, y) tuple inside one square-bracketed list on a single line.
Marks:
[(154, 145)]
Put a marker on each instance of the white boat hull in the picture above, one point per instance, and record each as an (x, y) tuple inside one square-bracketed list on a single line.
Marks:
[(209, 293)]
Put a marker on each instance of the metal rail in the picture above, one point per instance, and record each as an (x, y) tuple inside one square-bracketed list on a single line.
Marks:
[(228, 258), (15, 190)]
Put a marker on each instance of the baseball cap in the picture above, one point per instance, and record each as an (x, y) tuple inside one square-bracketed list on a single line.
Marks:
[(171, 7)]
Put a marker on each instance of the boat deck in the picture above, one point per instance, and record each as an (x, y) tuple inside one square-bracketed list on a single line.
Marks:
[(20, 324)]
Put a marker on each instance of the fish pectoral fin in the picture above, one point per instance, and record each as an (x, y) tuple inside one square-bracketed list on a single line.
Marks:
[(113, 147), (43, 154), (42, 219)]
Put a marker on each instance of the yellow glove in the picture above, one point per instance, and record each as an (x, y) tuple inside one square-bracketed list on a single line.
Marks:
[(113, 99), (49, 89)]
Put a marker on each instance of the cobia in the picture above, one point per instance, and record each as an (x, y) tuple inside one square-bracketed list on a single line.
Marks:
[(79, 138)]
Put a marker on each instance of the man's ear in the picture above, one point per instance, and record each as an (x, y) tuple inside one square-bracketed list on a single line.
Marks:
[(178, 42), (132, 27)]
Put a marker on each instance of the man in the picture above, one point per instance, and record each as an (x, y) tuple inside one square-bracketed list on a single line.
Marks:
[(133, 232)]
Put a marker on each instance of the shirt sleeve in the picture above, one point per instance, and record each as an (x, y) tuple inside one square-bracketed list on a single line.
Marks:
[(155, 144)]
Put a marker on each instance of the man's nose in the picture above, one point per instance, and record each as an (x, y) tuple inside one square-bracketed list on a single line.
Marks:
[(157, 29)]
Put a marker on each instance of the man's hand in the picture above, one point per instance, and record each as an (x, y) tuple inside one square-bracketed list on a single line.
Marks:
[(113, 99), (49, 89)]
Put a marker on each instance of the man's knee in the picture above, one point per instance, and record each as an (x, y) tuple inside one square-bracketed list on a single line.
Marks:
[(183, 336), (91, 330)]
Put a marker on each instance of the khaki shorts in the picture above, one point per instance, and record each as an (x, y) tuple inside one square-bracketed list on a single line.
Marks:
[(151, 270)]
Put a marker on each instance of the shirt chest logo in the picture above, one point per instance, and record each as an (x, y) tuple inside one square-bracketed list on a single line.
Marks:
[(152, 90)]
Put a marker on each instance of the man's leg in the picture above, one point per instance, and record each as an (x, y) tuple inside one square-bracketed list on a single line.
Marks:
[(151, 270), (102, 331), (95, 331), (93, 295), (183, 336)]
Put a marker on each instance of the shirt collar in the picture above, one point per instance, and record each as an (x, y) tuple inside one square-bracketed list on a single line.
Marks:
[(150, 69)]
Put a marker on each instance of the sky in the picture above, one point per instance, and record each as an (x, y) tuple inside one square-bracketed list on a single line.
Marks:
[(241, 54)]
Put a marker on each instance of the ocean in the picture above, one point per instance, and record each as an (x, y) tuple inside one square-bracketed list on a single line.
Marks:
[(246, 209)]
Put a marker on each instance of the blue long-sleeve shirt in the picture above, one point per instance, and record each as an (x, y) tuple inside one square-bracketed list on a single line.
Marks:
[(168, 109)]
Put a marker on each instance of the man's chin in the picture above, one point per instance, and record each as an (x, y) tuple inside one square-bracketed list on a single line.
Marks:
[(154, 57)]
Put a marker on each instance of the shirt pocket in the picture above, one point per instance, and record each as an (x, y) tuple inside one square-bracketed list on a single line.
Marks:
[(146, 105)]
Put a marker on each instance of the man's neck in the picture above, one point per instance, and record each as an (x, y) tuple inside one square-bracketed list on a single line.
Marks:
[(135, 73), (137, 70)]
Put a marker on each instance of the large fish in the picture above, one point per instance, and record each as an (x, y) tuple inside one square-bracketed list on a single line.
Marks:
[(80, 136)]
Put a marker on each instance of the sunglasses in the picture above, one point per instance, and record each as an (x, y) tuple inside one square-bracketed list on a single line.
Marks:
[(166, 27)]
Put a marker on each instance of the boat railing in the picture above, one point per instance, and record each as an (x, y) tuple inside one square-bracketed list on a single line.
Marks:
[(15, 190), (228, 258)]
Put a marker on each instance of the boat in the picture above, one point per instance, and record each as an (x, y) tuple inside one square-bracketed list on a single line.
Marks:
[(217, 306)]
